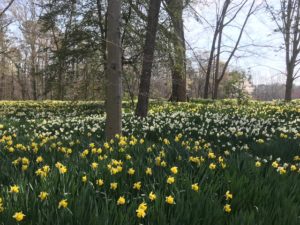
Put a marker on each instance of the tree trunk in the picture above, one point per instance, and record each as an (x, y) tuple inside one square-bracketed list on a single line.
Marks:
[(216, 89), (33, 83), (143, 99), (289, 85), (113, 102), (175, 9)]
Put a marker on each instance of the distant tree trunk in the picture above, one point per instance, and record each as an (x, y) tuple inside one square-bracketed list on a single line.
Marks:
[(12, 91), (2, 78), (287, 19), (175, 10), (143, 99), (102, 22), (289, 84), (113, 102), (33, 80), (216, 88)]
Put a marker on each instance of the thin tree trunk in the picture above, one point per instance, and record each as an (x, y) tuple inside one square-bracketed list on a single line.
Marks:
[(143, 99), (216, 89), (113, 102), (289, 85), (210, 62)]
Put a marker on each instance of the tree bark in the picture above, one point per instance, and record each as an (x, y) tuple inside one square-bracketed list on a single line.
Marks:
[(113, 102), (175, 10), (144, 88)]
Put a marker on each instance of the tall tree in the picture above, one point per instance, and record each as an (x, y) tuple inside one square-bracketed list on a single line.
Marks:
[(143, 99), (113, 102), (178, 58), (287, 19), (227, 14)]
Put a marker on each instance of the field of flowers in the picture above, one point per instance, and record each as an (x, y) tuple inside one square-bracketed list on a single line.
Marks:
[(185, 164)]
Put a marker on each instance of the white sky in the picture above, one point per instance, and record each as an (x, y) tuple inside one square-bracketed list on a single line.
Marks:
[(266, 63)]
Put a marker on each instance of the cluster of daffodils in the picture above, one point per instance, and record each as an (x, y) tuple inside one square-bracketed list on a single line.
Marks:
[(228, 197), (169, 158)]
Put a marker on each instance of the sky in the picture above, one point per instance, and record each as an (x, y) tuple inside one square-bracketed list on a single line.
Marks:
[(264, 60)]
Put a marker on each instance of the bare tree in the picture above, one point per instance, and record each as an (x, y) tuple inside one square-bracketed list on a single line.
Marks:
[(226, 15), (153, 14), (113, 102), (287, 20), (6, 8)]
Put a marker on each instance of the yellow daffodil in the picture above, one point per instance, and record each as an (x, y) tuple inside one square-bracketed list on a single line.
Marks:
[(152, 196), (227, 208), (170, 200), (140, 213), (137, 185), (131, 171), (170, 180), (19, 216), (43, 195), (149, 171), (84, 179), (63, 203), (195, 187), (99, 182), (113, 186), (14, 189), (275, 164), (94, 165), (174, 169), (211, 155), (228, 195), (293, 168), (212, 166), (121, 201)]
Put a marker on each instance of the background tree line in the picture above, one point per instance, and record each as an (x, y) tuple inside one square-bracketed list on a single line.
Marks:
[(56, 49)]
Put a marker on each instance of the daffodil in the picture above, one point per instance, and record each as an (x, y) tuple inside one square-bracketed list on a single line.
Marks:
[(113, 186), (174, 169), (131, 171), (258, 164), (195, 187), (152, 196), (121, 201), (63, 203), (43, 195), (14, 189), (140, 213), (84, 179), (19, 216), (137, 185), (228, 195), (170, 180), (149, 171), (94, 165), (99, 182), (170, 200), (293, 168), (275, 164), (227, 208), (212, 166)]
